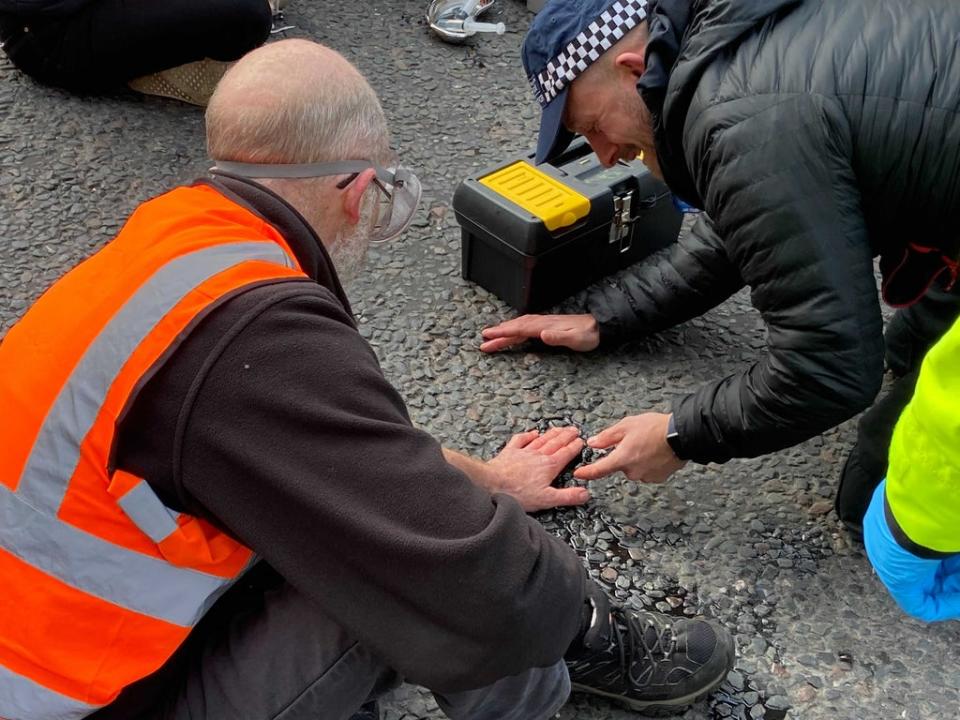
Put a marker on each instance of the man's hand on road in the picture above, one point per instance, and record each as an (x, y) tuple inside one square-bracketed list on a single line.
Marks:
[(577, 332), (528, 464), (642, 452)]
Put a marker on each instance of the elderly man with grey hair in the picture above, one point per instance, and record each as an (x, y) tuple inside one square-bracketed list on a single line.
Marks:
[(251, 526)]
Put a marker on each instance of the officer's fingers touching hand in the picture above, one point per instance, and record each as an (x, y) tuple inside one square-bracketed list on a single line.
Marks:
[(610, 436), (601, 468)]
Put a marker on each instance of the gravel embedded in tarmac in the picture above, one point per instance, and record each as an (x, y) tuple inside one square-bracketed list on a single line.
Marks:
[(752, 543)]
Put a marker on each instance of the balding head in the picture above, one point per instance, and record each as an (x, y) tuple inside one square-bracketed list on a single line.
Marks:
[(295, 101)]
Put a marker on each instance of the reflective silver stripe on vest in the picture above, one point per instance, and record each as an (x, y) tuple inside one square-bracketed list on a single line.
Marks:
[(29, 528), (55, 453), (23, 699), (135, 581), (148, 513)]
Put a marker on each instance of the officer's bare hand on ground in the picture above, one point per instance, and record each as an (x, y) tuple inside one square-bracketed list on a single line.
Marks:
[(530, 462), (642, 452), (577, 332)]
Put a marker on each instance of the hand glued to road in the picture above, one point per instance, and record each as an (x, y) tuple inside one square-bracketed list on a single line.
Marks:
[(530, 462)]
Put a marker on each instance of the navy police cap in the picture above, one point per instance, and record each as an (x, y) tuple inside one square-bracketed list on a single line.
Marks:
[(565, 38)]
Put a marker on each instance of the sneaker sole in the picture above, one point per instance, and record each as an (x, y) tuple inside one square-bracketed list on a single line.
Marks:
[(654, 707), (192, 83)]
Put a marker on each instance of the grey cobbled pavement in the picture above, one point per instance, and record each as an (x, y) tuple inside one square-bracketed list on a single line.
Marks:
[(752, 543)]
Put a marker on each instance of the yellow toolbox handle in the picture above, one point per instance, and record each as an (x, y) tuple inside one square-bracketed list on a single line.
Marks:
[(539, 194)]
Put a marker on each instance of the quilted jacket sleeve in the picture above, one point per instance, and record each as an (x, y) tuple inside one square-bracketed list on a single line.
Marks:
[(672, 286), (774, 175)]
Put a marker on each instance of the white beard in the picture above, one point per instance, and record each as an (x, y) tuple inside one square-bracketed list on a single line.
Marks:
[(349, 254), (348, 250)]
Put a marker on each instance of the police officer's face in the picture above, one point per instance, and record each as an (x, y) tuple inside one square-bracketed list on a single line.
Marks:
[(607, 110)]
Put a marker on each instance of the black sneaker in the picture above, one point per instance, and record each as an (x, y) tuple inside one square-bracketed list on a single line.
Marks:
[(370, 711), (649, 662)]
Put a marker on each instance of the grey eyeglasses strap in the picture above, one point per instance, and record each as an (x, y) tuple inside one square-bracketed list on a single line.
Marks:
[(303, 170)]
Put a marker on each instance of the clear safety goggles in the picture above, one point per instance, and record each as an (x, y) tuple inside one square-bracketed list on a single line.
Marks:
[(398, 189)]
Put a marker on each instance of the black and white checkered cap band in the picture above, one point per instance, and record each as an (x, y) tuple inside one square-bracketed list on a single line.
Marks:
[(587, 47)]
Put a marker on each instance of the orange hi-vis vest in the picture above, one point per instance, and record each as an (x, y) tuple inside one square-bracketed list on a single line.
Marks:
[(100, 581)]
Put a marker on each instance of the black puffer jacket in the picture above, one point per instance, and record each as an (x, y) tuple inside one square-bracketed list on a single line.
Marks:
[(817, 134)]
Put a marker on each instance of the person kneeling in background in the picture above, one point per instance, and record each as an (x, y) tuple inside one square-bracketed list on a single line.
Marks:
[(174, 48), (912, 527)]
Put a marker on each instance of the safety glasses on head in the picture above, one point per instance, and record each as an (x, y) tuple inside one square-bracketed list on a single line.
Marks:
[(397, 188)]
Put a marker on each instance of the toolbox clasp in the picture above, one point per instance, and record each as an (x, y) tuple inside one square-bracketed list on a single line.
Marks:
[(622, 218)]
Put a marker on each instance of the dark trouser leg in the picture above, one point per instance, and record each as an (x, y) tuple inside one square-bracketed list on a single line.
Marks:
[(537, 694), (911, 332), (262, 653), (866, 465), (109, 42), (265, 652)]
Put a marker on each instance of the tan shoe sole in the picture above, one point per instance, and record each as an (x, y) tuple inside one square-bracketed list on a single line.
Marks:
[(192, 83)]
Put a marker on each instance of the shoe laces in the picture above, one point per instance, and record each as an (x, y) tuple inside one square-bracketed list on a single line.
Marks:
[(636, 641)]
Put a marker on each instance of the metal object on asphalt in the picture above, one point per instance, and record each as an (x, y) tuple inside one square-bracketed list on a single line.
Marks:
[(279, 24), (456, 20)]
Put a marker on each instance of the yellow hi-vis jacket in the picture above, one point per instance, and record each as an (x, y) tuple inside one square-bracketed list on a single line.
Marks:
[(923, 480)]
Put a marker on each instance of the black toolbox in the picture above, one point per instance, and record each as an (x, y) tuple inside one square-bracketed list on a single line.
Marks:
[(534, 235)]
